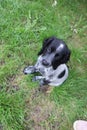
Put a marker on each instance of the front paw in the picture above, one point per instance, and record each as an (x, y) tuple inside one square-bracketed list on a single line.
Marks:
[(34, 78), (29, 70)]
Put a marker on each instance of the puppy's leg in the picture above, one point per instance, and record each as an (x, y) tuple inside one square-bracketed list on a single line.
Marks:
[(44, 82), (29, 70), (41, 79), (38, 78)]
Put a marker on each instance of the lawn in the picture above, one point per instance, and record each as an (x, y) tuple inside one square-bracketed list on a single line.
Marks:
[(23, 26)]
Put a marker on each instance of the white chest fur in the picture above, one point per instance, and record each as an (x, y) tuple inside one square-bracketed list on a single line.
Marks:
[(53, 75), (58, 76)]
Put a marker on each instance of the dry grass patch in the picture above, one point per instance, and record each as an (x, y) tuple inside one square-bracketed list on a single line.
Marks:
[(41, 113)]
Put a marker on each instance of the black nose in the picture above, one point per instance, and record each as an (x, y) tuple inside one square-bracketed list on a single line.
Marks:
[(45, 63), (24, 71)]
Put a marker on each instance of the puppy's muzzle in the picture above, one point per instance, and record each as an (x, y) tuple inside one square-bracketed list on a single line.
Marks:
[(45, 62)]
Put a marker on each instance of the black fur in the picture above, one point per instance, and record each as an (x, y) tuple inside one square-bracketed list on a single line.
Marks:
[(46, 43), (61, 74)]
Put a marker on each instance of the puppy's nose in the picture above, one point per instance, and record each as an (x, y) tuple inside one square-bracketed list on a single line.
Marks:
[(24, 71), (45, 63)]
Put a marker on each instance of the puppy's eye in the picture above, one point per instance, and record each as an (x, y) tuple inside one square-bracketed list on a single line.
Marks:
[(49, 50), (56, 55)]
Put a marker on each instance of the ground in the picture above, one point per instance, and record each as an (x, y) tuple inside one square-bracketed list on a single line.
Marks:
[(23, 26)]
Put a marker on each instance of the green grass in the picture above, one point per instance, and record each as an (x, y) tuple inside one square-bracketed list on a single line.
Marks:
[(11, 113), (23, 26)]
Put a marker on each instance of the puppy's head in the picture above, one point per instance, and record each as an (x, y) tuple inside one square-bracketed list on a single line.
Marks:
[(54, 52)]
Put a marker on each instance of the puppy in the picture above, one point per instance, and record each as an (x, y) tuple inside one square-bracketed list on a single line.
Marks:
[(51, 63)]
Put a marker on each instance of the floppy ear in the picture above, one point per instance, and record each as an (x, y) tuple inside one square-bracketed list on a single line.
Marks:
[(46, 43), (55, 64), (61, 59), (66, 57)]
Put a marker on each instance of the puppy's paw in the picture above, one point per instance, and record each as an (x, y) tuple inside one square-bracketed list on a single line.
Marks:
[(34, 78), (29, 70)]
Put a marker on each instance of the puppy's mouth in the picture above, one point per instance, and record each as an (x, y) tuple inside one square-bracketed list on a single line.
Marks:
[(46, 63), (47, 59)]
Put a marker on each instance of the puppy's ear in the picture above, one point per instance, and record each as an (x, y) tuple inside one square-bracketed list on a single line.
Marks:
[(61, 59), (66, 57), (55, 64), (46, 43)]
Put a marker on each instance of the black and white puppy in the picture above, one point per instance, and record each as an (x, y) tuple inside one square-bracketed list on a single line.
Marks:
[(51, 63)]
